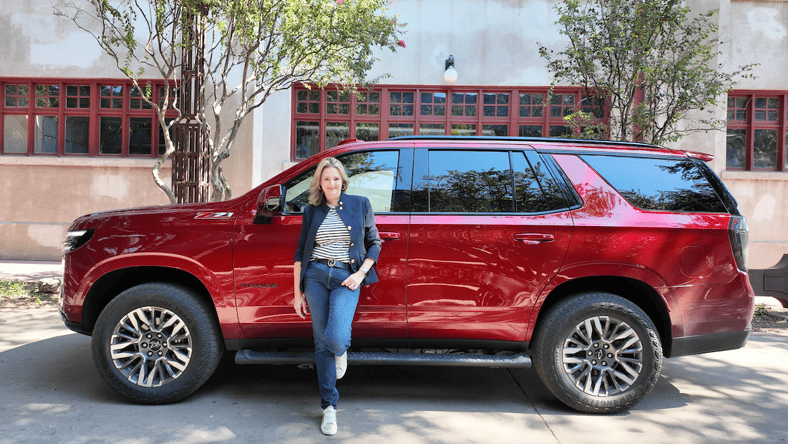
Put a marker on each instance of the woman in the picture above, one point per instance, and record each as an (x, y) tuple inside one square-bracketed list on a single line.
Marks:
[(338, 246)]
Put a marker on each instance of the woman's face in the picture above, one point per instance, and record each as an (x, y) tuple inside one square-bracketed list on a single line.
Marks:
[(331, 184)]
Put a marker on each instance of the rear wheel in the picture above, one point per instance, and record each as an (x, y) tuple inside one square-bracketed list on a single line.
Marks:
[(598, 353), (156, 343)]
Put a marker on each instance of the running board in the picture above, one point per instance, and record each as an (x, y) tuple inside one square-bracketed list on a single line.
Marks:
[(382, 358)]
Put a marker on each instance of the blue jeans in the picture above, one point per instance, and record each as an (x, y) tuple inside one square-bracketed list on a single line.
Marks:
[(331, 307)]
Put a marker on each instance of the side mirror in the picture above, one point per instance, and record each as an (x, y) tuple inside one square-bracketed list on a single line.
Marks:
[(269, 204)]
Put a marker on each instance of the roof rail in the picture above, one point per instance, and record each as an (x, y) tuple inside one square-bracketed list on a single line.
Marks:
[(528, 139)]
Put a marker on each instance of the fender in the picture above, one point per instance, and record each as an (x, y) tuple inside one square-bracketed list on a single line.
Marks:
[(610, 269), (216, 283)]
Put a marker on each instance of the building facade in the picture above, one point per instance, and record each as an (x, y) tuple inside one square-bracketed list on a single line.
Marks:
[(76, 138)]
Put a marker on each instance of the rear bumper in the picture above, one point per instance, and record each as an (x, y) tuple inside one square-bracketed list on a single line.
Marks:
[(693, 345)]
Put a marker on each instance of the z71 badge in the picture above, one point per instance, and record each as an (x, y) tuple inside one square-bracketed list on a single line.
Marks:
[(209, 215)]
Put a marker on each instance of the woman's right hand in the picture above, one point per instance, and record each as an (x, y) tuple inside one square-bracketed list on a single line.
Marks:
[(299, 304)]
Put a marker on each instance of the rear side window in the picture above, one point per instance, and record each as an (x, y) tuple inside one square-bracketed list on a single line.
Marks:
[(535, 188), (465, 181), (659, 184)]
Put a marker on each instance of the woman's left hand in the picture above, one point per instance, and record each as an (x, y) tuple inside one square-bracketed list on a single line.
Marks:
[(354, 280)]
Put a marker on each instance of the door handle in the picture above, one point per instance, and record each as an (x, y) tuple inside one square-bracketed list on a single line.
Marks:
[(534, 238), (388, 235)]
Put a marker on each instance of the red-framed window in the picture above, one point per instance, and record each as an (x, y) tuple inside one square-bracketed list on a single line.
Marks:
[(757, 134), (79, 117), (322, 118)]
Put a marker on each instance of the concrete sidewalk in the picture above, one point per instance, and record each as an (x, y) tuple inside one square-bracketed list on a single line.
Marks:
[(29, 271), (50, 392)]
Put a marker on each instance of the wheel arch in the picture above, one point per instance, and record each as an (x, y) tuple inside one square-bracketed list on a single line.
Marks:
[(638, 292), (111, 284)]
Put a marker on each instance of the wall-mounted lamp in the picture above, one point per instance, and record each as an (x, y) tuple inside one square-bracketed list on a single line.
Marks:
[(450, 74)]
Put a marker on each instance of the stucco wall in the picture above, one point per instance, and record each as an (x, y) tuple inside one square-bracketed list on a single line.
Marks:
[(757, 33), (494, 42), (42, 196)]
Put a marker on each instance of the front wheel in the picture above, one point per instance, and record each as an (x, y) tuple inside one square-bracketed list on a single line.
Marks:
[(156, 343), (598, 353)]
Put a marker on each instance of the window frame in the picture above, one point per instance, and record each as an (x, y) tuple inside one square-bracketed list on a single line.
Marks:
[(94, 112), (385, 118), (750, 125)]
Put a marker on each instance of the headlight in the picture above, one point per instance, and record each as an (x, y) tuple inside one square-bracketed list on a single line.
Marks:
[(76, 239)]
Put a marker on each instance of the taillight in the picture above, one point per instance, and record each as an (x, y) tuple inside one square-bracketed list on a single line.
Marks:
[(737, 230)]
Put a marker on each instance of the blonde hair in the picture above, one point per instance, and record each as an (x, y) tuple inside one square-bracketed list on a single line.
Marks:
[(316, 195)]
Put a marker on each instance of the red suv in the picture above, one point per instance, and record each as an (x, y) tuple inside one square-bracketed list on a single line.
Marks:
[(594, 259)]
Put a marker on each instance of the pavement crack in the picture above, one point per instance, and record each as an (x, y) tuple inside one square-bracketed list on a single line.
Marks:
[(533, 406)]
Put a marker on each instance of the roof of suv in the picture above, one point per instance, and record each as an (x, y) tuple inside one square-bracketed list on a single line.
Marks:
[(552, 143)]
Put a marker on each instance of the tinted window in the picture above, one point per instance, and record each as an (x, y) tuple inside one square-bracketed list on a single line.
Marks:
[(659, 184), (374, 174), (465, 182), (535, 189)]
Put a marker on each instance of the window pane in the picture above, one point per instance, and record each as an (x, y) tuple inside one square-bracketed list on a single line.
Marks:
[(77, 96), (530, 131), (162, 142), (110, 135), (496, 104), (401, 103), (463, 130), (14, 134), (562, 105), (111, 96), (535, 188), (659, 184), (16, 96), (560, 131), (47, 96), (374, 176), (307, 139), (432, 129), (336, 132), (495, 130), (736, 148), (46, 135), (470, 182), (433, 104), (140, 136), (464, 104), (400, 129), (367, 131), (77, 134), (765, 149)]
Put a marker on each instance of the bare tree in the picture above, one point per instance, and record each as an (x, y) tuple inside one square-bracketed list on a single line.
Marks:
[(253, 49)]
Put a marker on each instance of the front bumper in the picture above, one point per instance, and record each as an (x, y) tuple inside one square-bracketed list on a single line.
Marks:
[(78, 327)]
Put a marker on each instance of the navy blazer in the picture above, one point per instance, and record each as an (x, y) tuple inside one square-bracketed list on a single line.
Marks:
[(356, 213)]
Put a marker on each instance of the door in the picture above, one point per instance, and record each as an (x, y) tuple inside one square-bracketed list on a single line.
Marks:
[(488, 231), (264, 253)]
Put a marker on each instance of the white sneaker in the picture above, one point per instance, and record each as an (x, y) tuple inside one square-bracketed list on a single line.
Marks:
[(341, 362), (329, 424)]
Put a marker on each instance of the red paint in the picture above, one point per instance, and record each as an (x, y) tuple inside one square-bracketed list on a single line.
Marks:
[(442, 276)]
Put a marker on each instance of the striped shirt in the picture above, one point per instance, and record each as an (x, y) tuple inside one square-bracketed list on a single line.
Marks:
[(332, 240)]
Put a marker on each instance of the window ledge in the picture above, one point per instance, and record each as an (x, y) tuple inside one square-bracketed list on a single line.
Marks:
[(118, 162), (755, 175)]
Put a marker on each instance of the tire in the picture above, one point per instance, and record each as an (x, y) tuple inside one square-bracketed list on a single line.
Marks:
[(156, 344), (598, 353)]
